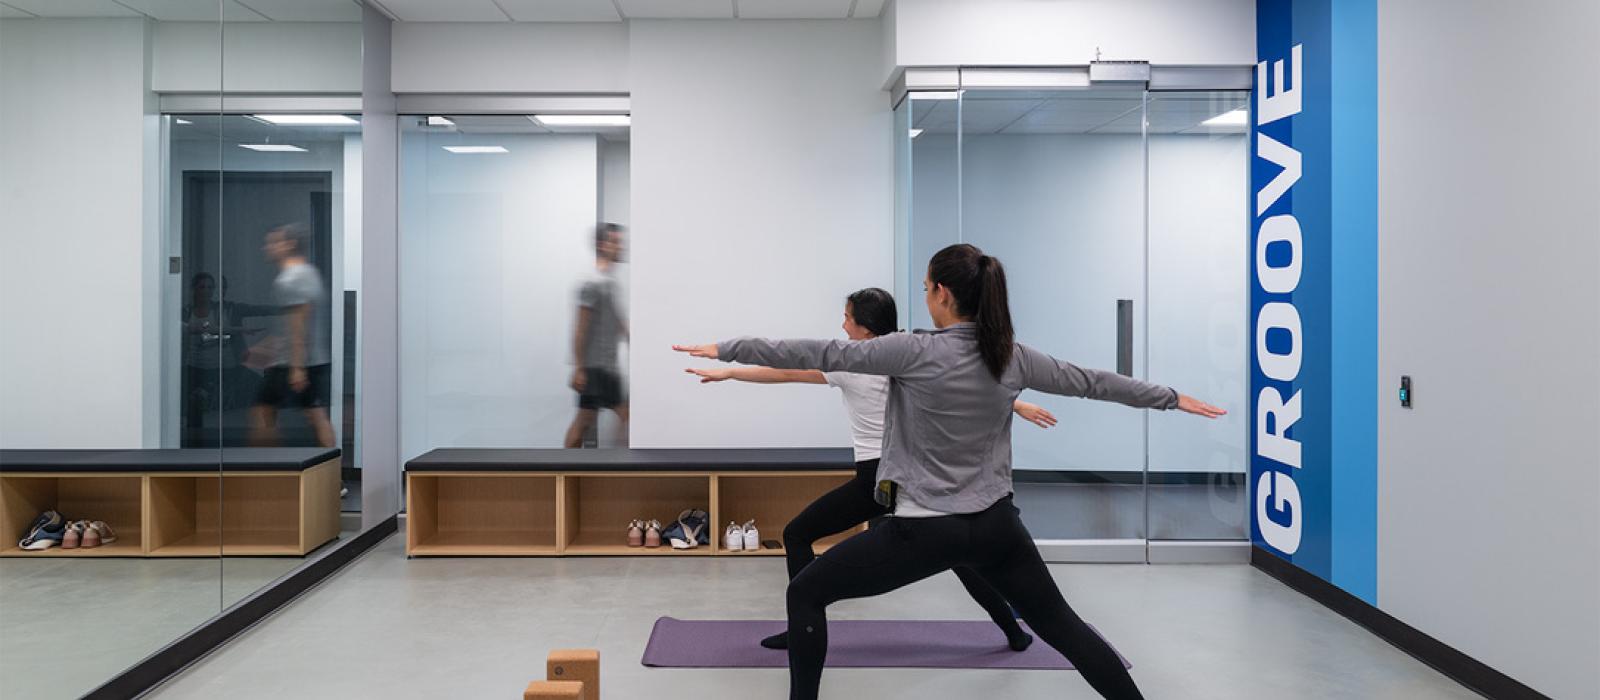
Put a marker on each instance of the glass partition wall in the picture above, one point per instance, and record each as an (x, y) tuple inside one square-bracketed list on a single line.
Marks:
[(1121, 217)]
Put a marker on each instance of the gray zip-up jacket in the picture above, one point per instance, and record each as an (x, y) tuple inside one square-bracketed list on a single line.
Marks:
[(947, 426)]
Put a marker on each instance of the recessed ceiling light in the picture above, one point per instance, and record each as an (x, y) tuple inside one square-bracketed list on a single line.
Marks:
[(273, 147), (582, 119), (1238, 117), (184, 121), (915, 133), (936, 95), (476, 149), (307, 119), (440, 121)]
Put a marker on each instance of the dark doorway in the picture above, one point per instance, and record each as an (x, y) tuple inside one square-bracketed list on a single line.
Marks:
[(226, 216)]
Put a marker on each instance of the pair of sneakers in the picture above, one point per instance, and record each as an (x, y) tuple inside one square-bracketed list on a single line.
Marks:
[(87, 534), (742, 538)]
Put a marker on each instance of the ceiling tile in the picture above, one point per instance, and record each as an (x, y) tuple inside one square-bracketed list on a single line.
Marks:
[(561, 10), (452, 11), (307, 10), (193, 10), (867, 9), (677, 9), (73, 8), (794, 9)]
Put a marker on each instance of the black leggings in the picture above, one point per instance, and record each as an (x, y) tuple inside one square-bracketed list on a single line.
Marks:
[(852, 504), (905, 550)]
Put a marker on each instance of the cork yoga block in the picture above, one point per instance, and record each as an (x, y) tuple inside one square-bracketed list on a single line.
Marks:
[(576, 665), (555, 690)]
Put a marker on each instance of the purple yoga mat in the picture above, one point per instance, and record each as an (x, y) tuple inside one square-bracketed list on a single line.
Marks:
[(678, 643)]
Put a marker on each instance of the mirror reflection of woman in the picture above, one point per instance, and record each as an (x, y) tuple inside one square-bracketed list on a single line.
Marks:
[(214, 346)]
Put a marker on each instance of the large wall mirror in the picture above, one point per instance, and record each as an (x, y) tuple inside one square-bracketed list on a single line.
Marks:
[(180, 230)]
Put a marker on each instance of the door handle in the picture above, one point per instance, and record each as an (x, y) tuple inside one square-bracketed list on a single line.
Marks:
[(1125, 337)]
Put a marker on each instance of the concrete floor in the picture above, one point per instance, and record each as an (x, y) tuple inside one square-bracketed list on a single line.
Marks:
[(429, 628), (68, 625)]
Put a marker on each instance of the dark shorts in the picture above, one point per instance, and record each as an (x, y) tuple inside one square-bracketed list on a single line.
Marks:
[(603, 389), (275, 390)]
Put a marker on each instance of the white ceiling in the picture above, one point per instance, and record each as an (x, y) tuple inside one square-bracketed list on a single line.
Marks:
[(444, 10), (191, 10)]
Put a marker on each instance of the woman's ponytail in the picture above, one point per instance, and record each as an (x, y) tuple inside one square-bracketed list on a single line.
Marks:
[(978, 283)]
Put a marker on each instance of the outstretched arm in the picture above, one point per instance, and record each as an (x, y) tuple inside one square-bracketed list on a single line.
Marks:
[(1047, 374), (884, 355), (1034, 414), (759, 375)]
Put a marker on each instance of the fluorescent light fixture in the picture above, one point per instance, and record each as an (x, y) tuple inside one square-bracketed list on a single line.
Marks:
[(915, 133), (307, 119), (582, 119), (936, 95), (1238, 117), (440, 121), (184, 121), (476, 149), (273, 147)]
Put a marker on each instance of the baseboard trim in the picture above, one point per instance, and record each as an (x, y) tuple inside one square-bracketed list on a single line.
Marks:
[(1199, 552), (173, 658), (1118, 551), (1472, 673)]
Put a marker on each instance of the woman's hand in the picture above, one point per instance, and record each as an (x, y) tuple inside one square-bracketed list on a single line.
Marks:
[(1034, 414), (708, 376), (707, 351), (1190, 404)]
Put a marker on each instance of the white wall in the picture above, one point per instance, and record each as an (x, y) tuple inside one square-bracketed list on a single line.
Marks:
[(262, 57), (1489, 488), (1067, 32), (493, 248), (1066, 213), (73, 350), (762, 178), (484, 57), (614, 182), (378, 371)]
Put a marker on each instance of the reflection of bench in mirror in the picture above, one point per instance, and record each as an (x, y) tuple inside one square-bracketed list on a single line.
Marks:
[(265, 501), (550, 502)]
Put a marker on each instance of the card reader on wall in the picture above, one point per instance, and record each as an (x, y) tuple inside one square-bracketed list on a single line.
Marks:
[(1405, 392)]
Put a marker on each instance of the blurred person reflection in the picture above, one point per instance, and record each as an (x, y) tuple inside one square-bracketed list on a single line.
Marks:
[(601, 327), (299, 375), (213, 349)]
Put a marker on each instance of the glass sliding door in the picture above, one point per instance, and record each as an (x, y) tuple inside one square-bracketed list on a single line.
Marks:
[(1119, 213), (1052, 183)]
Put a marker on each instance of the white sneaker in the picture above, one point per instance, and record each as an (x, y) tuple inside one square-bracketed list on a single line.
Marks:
[(752, 537), (733, 539)]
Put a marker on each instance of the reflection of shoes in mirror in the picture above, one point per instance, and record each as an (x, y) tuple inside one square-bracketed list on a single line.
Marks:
[(72, 537), (98, 533), (636, 534), (344, 492), (652, 534)]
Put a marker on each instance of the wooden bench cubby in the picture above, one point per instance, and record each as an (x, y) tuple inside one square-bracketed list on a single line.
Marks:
[(175, 503), (463, 502)]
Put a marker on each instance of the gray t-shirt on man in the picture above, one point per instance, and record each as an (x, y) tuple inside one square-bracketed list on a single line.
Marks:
[(297, 285), (599, 295)]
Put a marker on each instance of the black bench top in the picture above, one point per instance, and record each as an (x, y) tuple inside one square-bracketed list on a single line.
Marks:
[(605, 460), (198, 460)]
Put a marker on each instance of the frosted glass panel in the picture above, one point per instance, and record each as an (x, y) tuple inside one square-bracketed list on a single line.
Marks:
[(1199, 220), (494, 248)]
